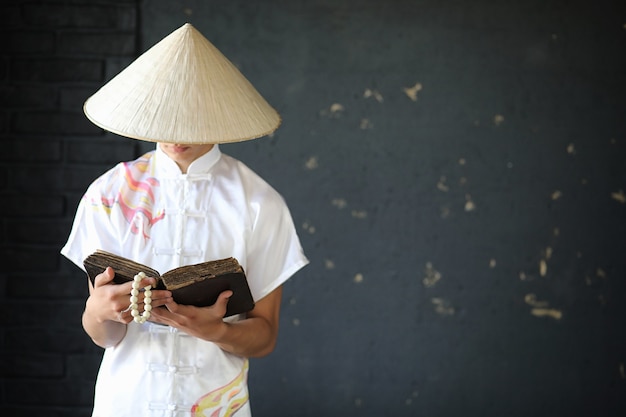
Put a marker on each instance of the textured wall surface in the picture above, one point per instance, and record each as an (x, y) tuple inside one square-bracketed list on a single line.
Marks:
[(456, 170), (54, 55)]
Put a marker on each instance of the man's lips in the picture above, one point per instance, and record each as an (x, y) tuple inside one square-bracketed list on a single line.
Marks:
[(179, 148)]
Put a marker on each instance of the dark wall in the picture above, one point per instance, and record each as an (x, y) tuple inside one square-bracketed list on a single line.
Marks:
[(457, 172), (54, 55)]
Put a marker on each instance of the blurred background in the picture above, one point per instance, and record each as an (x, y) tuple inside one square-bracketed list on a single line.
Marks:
[(456, 171)]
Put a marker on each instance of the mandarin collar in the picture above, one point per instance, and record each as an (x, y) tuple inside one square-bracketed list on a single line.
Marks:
[(166, 166)]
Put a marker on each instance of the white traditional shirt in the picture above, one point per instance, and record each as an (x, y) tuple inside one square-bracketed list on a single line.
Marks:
[(148, 211)]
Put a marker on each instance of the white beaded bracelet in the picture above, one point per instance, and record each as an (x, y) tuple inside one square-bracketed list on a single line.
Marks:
[(147, 300)]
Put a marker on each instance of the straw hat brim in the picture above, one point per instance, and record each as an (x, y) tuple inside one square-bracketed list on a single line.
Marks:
[(182, 90)]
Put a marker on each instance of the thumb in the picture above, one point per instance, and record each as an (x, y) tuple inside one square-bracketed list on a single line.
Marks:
[(105, 277), (224, 297)]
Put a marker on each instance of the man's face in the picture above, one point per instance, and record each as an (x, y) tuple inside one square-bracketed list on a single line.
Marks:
[(184, 155)]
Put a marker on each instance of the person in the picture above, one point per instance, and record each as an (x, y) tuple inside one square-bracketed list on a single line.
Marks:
[(182, 203)]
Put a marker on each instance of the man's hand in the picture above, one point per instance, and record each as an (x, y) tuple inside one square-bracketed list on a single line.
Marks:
[(108, 301), (203, 322), (254, 336), (106, 310)]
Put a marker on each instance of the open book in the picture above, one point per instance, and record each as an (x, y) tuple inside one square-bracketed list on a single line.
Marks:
[(198, 284)]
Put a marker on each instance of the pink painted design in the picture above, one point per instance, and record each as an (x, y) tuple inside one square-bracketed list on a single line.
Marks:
[(136, 198)]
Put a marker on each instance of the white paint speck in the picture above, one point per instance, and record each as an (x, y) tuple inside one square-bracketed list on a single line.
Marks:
[(411, 92), (311, 163), (373, 93)]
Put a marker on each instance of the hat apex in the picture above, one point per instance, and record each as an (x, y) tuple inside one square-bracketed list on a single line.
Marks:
[(182, 90)]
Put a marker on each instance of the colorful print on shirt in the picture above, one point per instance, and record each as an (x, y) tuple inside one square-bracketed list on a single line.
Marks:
[(224, 401), (135, 198)]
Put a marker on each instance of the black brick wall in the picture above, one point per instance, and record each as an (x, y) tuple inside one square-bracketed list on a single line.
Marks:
[(54, 55)]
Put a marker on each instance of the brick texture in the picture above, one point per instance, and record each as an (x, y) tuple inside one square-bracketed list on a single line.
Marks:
[(29, 43), (64, 339), (27, 96), (21, 148), (50, 70), (55, 55), (97, 43)]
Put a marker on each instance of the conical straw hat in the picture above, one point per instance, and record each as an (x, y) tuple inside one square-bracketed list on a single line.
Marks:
[(182, 90)]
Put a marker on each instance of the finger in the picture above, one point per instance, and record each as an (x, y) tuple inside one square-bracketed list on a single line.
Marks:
[(172, 306), (105, 277), (124, 316), (137, 298), (142, 286), (163, 316), (160, 298), (223, 298), (221, 303), (144, 281)]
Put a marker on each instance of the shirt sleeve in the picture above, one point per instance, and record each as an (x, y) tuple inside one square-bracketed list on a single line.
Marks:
[(92, 227), (275, 252)]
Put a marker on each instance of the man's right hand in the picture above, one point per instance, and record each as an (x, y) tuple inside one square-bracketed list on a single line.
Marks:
[(109, 301)]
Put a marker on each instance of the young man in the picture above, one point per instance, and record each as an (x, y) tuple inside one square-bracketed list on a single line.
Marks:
[(183, 203)]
